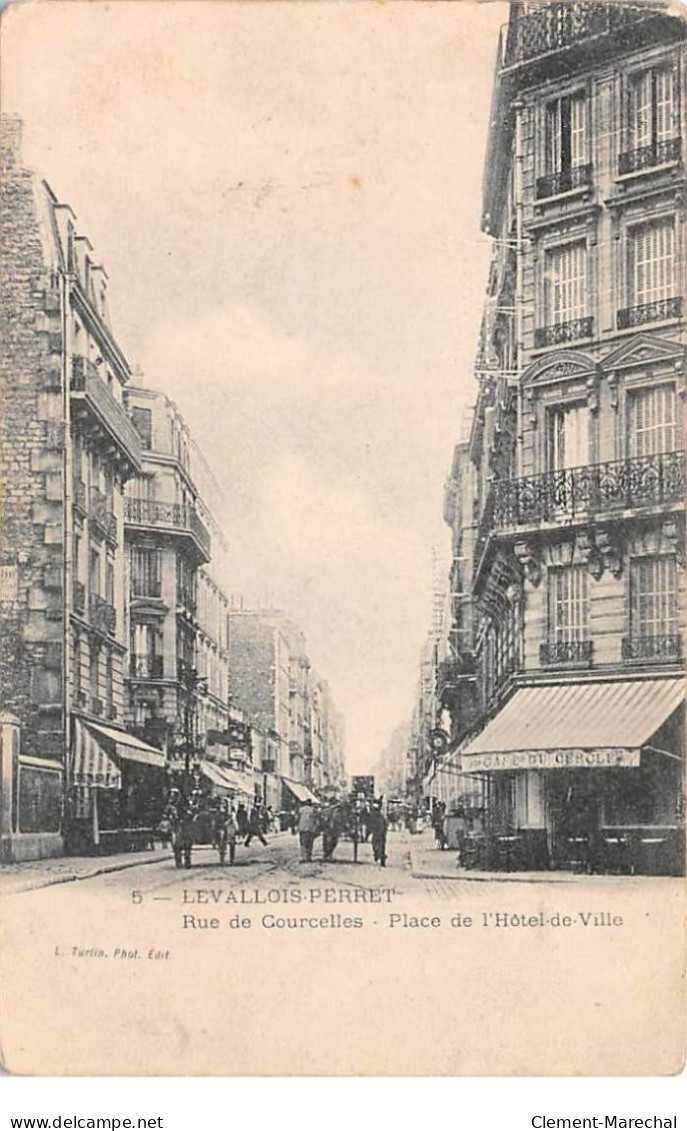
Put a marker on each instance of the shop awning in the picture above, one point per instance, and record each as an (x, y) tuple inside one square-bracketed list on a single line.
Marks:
[(564, 726), (226, 778), (299, 791), (127, 746)]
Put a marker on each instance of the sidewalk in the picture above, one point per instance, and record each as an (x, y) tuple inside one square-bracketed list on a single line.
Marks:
[(31, 874), (428, 862)]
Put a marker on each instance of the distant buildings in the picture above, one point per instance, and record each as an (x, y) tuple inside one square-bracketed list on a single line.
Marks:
[(114, 659)]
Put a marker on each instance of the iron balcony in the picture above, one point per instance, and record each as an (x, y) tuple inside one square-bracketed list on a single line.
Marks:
[(662, 310), (664, 152), (94, 405), (172, 518)]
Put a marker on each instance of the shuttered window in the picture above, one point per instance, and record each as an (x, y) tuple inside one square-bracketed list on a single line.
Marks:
[(146, 565), (568, 604), (653, 421), (652, 107), (653, 598), (566, 133), (568, 437), (652, 262), (566, 283)]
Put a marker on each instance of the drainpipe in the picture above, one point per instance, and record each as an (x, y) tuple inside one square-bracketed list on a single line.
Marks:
[(517, 191), (65, 280)]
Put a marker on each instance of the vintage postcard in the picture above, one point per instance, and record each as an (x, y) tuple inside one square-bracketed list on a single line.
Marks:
[(342, 558)]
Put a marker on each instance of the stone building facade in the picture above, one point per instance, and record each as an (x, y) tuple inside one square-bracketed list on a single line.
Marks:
[(569, 601), (68, 448)]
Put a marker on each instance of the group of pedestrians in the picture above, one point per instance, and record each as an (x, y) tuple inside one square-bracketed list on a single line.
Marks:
[(333, 820)]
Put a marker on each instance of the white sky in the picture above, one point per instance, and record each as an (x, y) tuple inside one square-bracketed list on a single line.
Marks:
[(287, 200)]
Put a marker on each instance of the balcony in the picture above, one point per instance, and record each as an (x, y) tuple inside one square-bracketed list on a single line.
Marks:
[(565, 652), (79, 597), (665, 152), (578, 492), (662, 310), (102, 615), (664, 649), (567, 180), (561, 333), (147, 667), (171, 518), (96, 409), (557, 27)]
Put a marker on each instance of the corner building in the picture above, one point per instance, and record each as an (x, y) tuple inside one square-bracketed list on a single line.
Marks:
[(576, 447)]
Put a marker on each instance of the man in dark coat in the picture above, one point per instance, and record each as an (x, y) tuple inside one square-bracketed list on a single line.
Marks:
[(255, 825), (379, 825)]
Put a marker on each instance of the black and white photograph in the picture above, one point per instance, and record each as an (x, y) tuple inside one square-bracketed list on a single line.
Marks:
[(342, 537)]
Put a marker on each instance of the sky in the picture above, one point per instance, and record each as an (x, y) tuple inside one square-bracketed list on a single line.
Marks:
[(287, 200)]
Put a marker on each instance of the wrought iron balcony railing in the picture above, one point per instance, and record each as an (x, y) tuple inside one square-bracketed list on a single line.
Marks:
[(555, 27), (79, 597), (652, 647), (553, 184), (102, 615), (581, 491), (552, 652), (147, 667), (452, 672), (647, 156), (92, 399), (170, 516), (560, 333), (661, 310)]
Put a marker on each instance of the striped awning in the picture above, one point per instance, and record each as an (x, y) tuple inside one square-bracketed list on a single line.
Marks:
[(226, 778), (91, 763), (128, 747), (564, 726), (300, 791)]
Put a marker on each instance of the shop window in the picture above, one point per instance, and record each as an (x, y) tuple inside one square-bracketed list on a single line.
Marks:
[(652, 421)]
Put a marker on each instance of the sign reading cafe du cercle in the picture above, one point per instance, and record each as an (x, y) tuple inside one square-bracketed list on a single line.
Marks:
[(553, 759)]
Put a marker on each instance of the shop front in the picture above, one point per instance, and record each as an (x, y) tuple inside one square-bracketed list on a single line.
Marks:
[(585, 777), (116, 792)]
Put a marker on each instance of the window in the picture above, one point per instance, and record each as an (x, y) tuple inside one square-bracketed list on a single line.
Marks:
[(142, 419), (109, 686), (109, 582), (146, 567), (94, 573), (566, 133), (568, 605), (76, 564), (653, 598), (566, 283), (94, 674), (568, 437), (652, 108), (652, 421), (651, 262), (76, 646)]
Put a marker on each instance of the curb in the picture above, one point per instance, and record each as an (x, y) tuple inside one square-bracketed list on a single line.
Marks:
[(102, 871)]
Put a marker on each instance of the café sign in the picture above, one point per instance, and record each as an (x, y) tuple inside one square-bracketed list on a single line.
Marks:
[(567, 758)]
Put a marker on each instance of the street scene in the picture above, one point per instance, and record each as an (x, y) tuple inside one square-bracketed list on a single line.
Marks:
[(254, 616)]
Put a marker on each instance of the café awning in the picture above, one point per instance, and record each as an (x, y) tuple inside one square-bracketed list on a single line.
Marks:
[(127, 746), (575, 725), (300, 791), (226, 778)]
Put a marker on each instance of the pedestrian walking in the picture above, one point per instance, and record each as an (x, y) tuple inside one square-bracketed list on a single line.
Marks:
[(242, 819), (255, 825), (307, 830), (379, 826)]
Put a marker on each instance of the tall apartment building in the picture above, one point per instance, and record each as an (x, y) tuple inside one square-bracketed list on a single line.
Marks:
[(575, 582), (69, 769)]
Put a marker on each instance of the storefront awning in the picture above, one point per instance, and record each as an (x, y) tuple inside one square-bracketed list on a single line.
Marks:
[(226, 778), (299, 791), (127, 746), (594, 725)]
